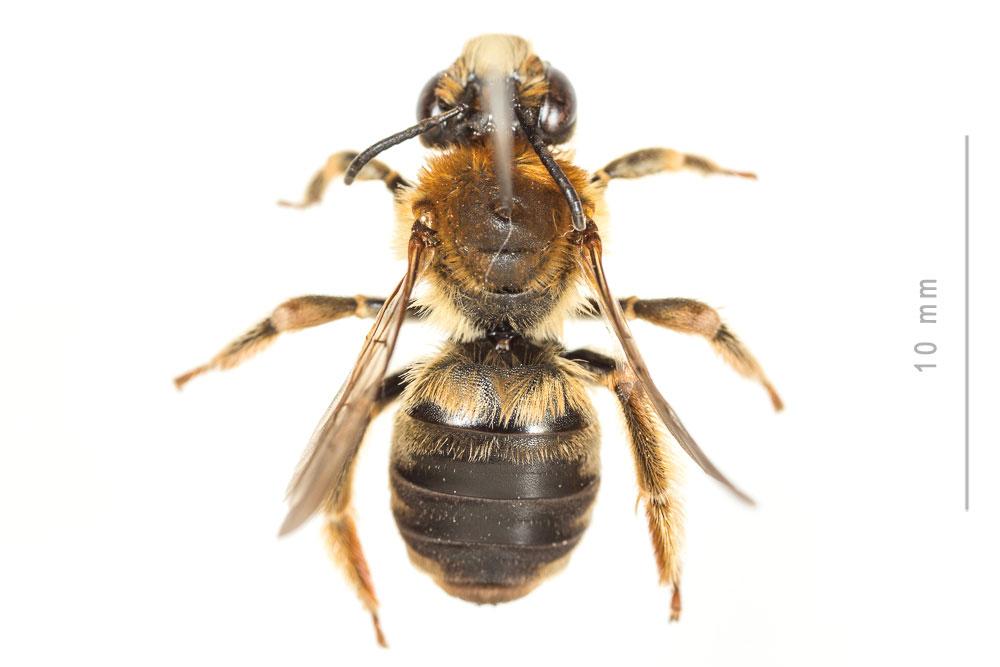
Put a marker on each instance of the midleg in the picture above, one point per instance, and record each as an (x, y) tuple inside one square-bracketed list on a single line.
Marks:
[(299, 313), (655, 160), (335, 167), (693, 317)]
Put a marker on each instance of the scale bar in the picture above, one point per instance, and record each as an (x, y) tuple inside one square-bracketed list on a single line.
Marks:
[(966, 323)]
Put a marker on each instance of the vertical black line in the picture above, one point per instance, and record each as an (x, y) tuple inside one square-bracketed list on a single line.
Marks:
[(966, 323)]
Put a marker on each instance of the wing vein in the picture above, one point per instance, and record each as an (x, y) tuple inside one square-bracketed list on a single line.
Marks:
[(590, 259), (337, 438)]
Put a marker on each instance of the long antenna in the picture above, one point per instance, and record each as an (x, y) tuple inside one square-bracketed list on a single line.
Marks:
[(526, 120), (363, 158)]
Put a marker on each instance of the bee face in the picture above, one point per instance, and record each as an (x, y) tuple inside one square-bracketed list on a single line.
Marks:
[(504, 65)]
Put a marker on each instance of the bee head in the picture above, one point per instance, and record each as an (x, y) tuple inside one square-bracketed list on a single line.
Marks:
[(497, 91), (493, 74)]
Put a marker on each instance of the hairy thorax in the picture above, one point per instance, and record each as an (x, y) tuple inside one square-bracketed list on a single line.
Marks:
[(500, 263)]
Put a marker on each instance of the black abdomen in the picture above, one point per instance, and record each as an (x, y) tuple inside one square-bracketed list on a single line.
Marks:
[(490, 508)]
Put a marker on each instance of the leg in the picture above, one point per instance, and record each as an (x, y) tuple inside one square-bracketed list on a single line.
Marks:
[(656, 470), (341, 533), (655, 160), (335, 167), (693, 317), (294, 314), (657, 473)]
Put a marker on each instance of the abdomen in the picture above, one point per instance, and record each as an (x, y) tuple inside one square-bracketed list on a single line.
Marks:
[(494, 469)]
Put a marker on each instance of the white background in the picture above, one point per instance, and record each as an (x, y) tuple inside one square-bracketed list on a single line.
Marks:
[(141, 152)]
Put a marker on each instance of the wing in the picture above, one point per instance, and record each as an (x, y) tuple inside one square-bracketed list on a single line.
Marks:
[(336, 440), (590, 261)]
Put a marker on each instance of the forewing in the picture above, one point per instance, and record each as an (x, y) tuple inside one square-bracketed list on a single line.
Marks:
[(338, 436), (591, 262)]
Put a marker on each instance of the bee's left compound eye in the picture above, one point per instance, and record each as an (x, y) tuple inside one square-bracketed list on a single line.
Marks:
[(557, 114)]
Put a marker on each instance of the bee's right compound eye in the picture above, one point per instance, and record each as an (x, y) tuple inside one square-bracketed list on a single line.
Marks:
[(429, 104)]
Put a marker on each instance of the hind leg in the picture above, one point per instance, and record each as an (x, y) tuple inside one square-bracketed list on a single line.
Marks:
[(345, 549), (657, 473), (656, 470), (341, 532)]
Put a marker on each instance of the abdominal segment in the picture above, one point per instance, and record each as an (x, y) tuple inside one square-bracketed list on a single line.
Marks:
[(490, 508)]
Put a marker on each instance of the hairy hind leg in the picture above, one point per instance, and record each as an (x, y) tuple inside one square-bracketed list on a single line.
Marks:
[(657, 473), (656, 470), (341, 532), (345, 549)]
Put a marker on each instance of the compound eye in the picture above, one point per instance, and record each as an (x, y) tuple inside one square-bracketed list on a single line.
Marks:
[(429, 105), (557, 114)]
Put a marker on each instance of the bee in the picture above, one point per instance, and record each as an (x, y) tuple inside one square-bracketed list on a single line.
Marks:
[(494, 461)]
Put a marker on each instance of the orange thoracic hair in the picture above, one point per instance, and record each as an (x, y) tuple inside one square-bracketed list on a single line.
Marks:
[(484, 274)]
